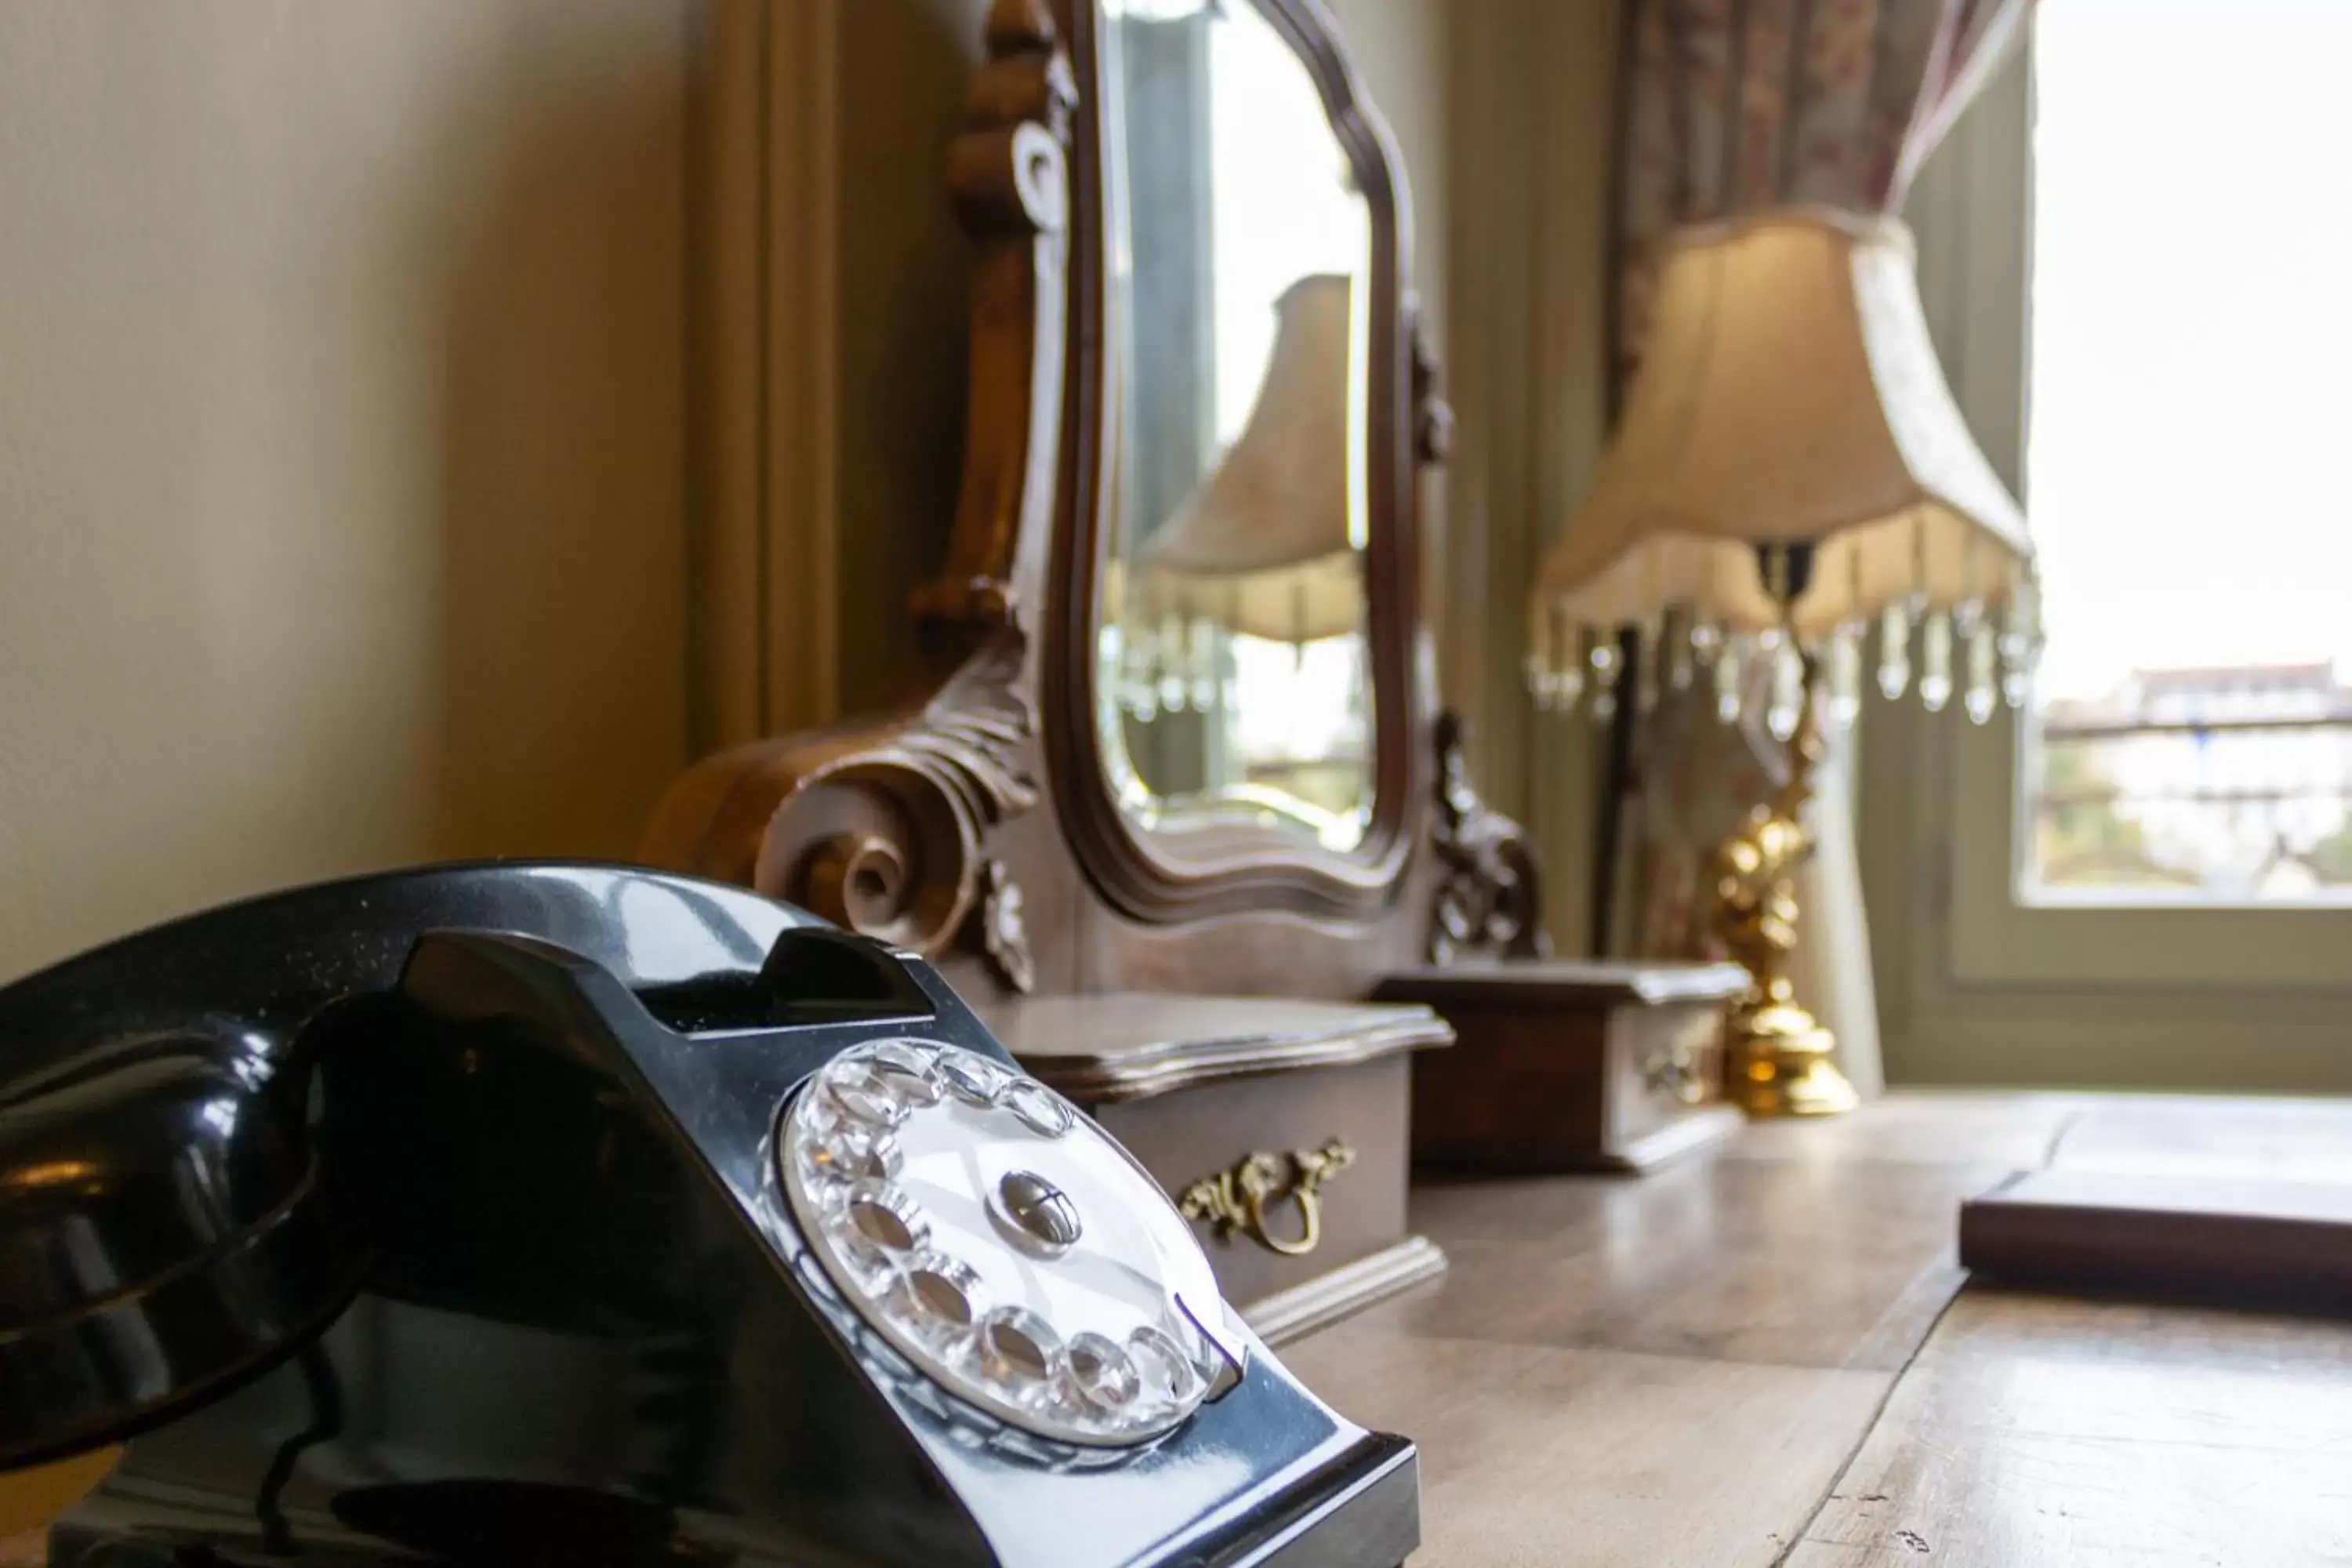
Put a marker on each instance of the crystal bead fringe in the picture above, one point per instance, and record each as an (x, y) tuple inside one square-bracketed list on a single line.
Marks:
[(1788, 684), (1983, 671), (1845, 674), (1895, 650), (1936, 662), (1729, 677), (1138, 686), (2020, 638), (1603, 656), (1568, 665), (1203, 651), (1541, 656), (1171, 663)]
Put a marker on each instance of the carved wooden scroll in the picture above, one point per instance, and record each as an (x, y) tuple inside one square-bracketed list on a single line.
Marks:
[(884, 826), (1490, 900), (1432, 416)]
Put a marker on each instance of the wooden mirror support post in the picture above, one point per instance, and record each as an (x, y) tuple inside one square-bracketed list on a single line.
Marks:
[(895, 825), (1207, 1000)]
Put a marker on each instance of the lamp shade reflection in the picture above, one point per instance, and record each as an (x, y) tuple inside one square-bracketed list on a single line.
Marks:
[(1265, 546)]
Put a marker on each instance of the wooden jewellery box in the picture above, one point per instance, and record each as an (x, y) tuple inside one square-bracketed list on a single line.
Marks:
[(1572, 1067)]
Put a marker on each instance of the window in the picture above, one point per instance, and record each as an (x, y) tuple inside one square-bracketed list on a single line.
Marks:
[(2191, 320), (2138, 882)]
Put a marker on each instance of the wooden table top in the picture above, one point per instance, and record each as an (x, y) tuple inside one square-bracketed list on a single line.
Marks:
[(1767, 1357)]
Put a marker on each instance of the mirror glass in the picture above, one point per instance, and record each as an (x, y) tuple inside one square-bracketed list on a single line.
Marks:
[(1234, 679)]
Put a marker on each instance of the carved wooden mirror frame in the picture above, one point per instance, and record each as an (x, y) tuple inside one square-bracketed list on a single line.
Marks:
[(927, 825), (1249, 867)]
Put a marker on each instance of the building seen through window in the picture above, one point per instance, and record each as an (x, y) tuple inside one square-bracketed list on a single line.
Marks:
[(2184, 468)]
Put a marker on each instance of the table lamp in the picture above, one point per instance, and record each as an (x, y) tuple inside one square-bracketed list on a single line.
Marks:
[(1790, 467)]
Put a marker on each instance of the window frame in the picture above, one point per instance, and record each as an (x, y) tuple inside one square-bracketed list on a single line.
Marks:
[(1975, 982)]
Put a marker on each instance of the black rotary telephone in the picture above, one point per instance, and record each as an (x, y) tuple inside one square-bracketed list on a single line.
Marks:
[(579, 1215)]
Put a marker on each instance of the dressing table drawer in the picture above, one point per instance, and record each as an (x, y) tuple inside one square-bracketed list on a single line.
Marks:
[(1279, 1126), (1662, 1064)]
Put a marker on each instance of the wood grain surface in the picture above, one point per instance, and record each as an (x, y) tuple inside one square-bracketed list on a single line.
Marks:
[(1778, 1262), (1667, 1370), (1936, 1128), (1691, 1369), (2066, 1434), (1534, 1457)]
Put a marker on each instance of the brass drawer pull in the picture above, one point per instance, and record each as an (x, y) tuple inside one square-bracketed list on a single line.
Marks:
[(1237, 1199), (1674, 1072)]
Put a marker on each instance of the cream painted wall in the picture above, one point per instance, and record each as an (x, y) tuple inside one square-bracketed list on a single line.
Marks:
[(904, 320), (340, 418), (1530, 146), (349, 359)]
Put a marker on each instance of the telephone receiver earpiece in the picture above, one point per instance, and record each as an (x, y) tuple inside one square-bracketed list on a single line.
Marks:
[(165, 1230)]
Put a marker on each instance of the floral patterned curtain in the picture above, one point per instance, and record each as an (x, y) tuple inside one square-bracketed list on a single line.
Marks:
[(1734, 107), (1741, 106)]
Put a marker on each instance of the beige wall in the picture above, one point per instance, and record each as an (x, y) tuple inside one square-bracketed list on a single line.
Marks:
[(834, 331), (340, 354), (1532, 136), (904, 320), (379, 383)]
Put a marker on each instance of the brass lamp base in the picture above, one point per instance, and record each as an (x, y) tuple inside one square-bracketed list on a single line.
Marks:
[(1778, 1062), (1777, 1056)]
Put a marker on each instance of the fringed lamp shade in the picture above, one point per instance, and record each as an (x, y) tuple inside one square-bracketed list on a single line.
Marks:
[(1264, 548), (1790, 466)]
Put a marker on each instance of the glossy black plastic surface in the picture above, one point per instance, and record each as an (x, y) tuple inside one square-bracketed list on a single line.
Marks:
[(164, 1222), (432, 1217)]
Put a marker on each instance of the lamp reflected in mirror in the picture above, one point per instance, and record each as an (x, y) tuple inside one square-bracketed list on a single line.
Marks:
[(1266, 547), (1233, 679), (1249, 602)]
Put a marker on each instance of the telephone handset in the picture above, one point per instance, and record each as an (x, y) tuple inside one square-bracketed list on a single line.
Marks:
[(582, 1214)]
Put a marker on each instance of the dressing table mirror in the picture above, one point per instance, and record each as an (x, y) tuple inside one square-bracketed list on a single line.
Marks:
[(1233, 676), (1174, 796)]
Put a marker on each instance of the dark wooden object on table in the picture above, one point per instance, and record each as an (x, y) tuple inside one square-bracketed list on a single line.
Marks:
[(2170, 1237), (1564, 1066), (2237, 1204)]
